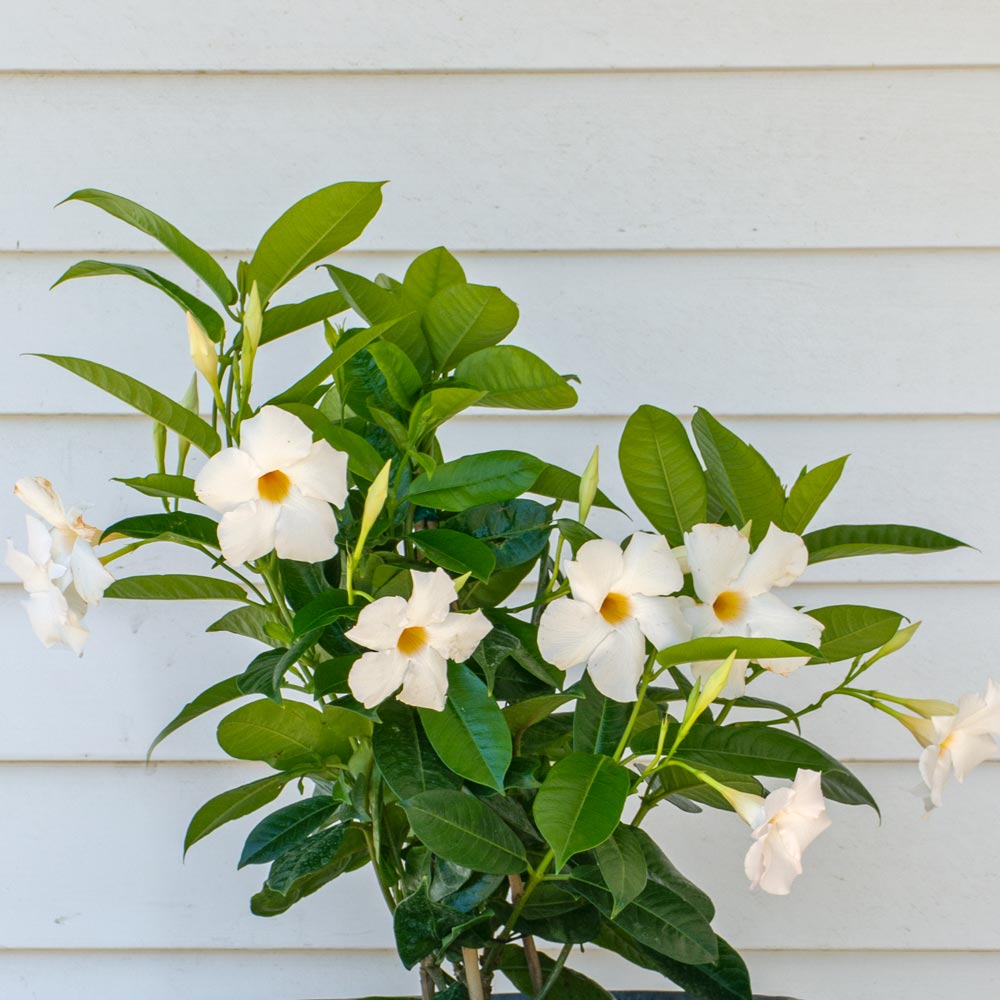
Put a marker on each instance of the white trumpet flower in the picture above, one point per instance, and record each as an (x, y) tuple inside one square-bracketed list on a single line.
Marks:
[(274, 491), (958, 743), (734, 587), (783, 826), (412, 641), (619, 601)]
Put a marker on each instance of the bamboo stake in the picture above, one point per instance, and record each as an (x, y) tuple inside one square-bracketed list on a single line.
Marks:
[(473, 980), (530, 951), (426, 982)]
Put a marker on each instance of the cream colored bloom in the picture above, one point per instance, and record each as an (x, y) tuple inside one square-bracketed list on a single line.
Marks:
[(412, 642), (619, 601), (733, 586), (959, 743), (274, 491), (783, 826)]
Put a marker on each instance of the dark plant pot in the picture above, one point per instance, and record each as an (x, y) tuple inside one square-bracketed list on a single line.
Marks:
[(619, 994)]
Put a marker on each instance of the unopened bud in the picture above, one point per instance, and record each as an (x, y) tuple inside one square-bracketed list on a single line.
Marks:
[(588, 486), (203, 353)]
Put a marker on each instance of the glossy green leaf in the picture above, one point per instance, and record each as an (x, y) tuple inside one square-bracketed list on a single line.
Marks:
[(676, 781), (436, 407), (159, 484), (251, 621), (662, 473), (470, 734), (198, 260), (218, 694), (313, 228), (808, 494), (571, 985), (623, 866), (580, 803), (405, 756), (177, 524), (175, 587), (661, 870), (313, 854), (850, 630), (325, 608), (429, 274), (401, 376), (422, 926), (483, 478), (575, 533), (286, 828), (523, 715), (561, 484), (455, 551), (846, 540), (719, 647), (598, 722), (459, 828), (513, 378), (516, 531), (144, 399), (285, 319), (463, 319), (233, 804), (209, 320)]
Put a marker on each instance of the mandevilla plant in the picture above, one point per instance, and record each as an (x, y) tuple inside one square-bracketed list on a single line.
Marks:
[(493, 757)]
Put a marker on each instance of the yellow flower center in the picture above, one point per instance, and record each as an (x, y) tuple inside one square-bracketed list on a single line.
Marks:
[(616, 608), (729, 606), (412, 640), (274, 486)]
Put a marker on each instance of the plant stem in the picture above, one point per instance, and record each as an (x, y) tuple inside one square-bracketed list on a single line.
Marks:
[(556, 969), (426, 982), (647, 678), (530, 951), (473, 977)]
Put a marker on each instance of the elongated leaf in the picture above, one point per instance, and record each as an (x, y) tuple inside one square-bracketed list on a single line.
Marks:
[(324, 609), (676, 781), (470, 734), (748, 486), (422, 926), (809, 492), (178, 524), (405, 756), (285, 829), (210, 321), (662, 871), (516, 531), (429, 274), (847, 540), (438, 406), (159, 484), (561, 484), (460, 829), (719, 647), (250, 620), (487, 477), (313, 854), (523, 715), (200, 261), (598, 722), (662, 472), (285, 319), (623, 867), (362, 458), (175, 587), (310, 230), (580, 803), (463, 319), (233, 804), (218, 694), (571, 985), (144, 399), (850, 630), (401, 376), (513, 378), (456, 551)]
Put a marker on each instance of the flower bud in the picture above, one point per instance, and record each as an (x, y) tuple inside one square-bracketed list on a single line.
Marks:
[(679, 552), (927, 707), (749, 807), (203, 353), (588, 486), (253, 322)]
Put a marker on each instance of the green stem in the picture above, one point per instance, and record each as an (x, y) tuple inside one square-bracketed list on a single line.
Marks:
[(535, 880), (556, 969), (647, 677)]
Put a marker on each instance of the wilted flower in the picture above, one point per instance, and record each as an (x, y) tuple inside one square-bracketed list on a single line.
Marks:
[(274, 491), (412, 642), (619, 601)]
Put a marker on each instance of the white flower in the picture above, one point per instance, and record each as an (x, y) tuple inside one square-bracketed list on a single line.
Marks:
[(619, 601), (275, 490), (734, 588), (783, 826), (959, 742), (412, 642)]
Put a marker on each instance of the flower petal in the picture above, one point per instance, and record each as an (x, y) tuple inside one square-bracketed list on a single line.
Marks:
[(40, 496), (425, 684), (247, 531), (598, 566), (736, 684), (380, 624), (457, 637), (376, 675), (616, 665), (779, 560), (431, 599), (322, 474), (661, 619), (716, 554), (275, 439), (935, 766), (228, 479), (650, 567), (39, 540), (90, 578), (569, 632), (53, 622), (770, 618), (968, 751), (306, 529)]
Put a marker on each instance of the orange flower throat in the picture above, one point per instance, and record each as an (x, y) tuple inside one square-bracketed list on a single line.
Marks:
[(616, 608), (412, 640), (274, 486)]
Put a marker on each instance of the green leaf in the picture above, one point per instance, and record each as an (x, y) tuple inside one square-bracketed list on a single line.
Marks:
[(662, 472), (159, 484), (516, 531), (429, 273), (483, 478), (313, 854), (575, 533), (522, 715), (748, 487), (677, 781), (362, 458), (209, 320), (405, 756), (167, 235), (598, 722), (175, 587), (460, 829), (218, 694), (719, 647), (313, 228), (327, 607), (514, 378), (422, 926), (285, 319), (470, 734), (144, 399), (623, 867), (561, 484), (850, 630), (455, 551), (846, 540), (660, 870), (285, 829), (178, 525), (250, 620), (436, 407), (571, 985), (580, 803), (463, 319), (233, 804), (401, 375), (808, 494)]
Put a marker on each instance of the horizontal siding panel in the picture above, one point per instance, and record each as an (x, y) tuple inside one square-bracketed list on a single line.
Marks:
[(264, 975), (575, 161), (132, 892), (343, 37), (144, 661), (749, 333)]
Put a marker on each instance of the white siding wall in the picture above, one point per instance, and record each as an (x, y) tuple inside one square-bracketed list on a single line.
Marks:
[(785, 210)]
